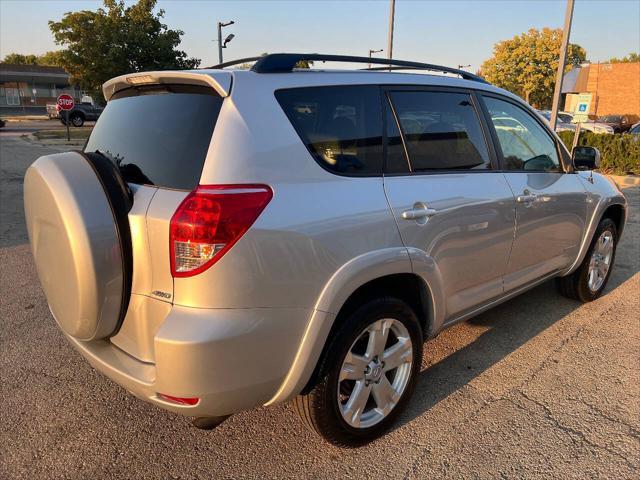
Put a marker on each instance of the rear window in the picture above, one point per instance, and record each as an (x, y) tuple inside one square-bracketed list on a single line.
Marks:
[(158, 135), (340, 125)]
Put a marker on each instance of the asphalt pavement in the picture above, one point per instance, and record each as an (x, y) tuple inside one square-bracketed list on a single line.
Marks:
[(538, 387)]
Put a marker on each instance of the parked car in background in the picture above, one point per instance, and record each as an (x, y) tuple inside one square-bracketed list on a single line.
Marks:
[(82, 112), (597, 127), (563, 122), (52, 111), (211, 265), (619, 123), (635, 129)]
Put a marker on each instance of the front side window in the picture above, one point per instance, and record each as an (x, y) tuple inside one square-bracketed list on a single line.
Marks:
[(525, 144), (341, 126), (441, 130)]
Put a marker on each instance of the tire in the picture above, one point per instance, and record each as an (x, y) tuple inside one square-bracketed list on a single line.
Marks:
[(322, 408), (76, 120), (577, 285)]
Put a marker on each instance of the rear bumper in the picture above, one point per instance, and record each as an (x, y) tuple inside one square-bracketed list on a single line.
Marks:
[(231, 359)]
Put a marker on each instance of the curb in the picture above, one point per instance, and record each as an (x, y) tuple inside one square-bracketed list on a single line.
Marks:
[(627, 180), (31, 138)]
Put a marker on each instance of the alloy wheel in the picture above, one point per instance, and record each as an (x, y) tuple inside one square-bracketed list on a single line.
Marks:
[(600, 261), (375, 373)]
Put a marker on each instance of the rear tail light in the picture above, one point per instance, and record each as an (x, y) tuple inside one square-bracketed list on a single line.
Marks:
[(209, 221)]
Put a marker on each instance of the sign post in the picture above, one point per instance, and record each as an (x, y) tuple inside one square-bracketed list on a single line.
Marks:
[(581, 114), (65, 103)]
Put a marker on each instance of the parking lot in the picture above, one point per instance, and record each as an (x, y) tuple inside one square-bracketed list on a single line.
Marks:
[(540, 386)]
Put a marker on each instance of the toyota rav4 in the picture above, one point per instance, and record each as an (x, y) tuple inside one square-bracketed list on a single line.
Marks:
[(229, 239)]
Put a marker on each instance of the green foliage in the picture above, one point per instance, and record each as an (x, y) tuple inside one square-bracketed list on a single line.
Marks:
[(633, 57), (19, 59), (620, 153), (527, 64), (51, 59), (115, 40), (304, 64)]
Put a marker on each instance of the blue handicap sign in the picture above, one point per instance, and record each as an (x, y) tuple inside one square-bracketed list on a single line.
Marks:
[(582, 107)]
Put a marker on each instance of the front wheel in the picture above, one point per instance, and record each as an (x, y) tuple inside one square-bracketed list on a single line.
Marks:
[(588, 281), (367, 376)]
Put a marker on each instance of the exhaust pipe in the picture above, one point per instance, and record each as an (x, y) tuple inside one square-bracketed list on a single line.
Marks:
[(208, 423)]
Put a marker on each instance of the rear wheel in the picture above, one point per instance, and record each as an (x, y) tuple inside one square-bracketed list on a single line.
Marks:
[(589, 280), (367, 376)]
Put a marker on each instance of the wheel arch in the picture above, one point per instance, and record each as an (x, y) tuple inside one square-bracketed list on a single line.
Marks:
[(389, 271), (616, 212), (408, 287), (613, 208)]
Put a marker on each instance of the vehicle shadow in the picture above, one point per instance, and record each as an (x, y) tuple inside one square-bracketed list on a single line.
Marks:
[(505, 328)]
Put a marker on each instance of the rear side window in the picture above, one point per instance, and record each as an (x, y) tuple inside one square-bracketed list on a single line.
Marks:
[(441, 130), (158, 135), (341, 126)]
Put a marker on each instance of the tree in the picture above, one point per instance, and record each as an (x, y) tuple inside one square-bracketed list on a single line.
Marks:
[(48, 59), (19, 59), (53, 58), (115, 40), (633, 57), (301, 64), (527, 64)]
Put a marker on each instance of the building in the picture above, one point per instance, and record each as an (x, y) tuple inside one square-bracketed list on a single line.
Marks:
[(615, 88), (26, 89)]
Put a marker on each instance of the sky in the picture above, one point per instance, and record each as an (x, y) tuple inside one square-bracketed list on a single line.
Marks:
[(451, 32)]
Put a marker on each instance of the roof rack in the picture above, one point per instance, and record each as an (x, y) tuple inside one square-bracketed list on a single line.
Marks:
[(286, 62)]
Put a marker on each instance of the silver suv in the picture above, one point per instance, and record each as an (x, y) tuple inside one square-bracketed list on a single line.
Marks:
[(229, 239)]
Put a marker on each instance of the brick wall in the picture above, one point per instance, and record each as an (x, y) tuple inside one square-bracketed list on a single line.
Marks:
[(615, 88)]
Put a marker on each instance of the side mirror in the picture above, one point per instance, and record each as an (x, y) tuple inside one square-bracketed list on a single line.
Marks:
[(585, 158)]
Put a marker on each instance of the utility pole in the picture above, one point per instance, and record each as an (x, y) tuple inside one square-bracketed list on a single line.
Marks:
[(220, 25), (557, 91), (372, 52), (390, 42)]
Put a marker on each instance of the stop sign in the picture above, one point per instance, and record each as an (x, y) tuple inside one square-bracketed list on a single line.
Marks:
[(65, 102)]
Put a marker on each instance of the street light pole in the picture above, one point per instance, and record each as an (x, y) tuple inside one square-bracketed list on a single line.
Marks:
[(392, 10), (219, 42), (557, 91), (372, 52), (220, 25)]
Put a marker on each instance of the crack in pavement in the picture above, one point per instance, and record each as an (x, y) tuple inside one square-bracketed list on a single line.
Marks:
[(570, 431)]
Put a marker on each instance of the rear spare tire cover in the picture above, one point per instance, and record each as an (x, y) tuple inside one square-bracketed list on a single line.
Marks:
[(80, 241)]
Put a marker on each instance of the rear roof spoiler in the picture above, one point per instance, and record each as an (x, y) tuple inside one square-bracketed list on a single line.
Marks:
[(220, 81)]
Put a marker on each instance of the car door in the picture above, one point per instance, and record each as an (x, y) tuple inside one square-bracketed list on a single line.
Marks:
[(449, 202), (550, 204)]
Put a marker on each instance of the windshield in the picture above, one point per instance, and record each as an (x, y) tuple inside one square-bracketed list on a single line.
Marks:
[(158, 135), (610, 118)]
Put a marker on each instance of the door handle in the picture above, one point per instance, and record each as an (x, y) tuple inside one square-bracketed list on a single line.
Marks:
[(527, 198), (418, 213)]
